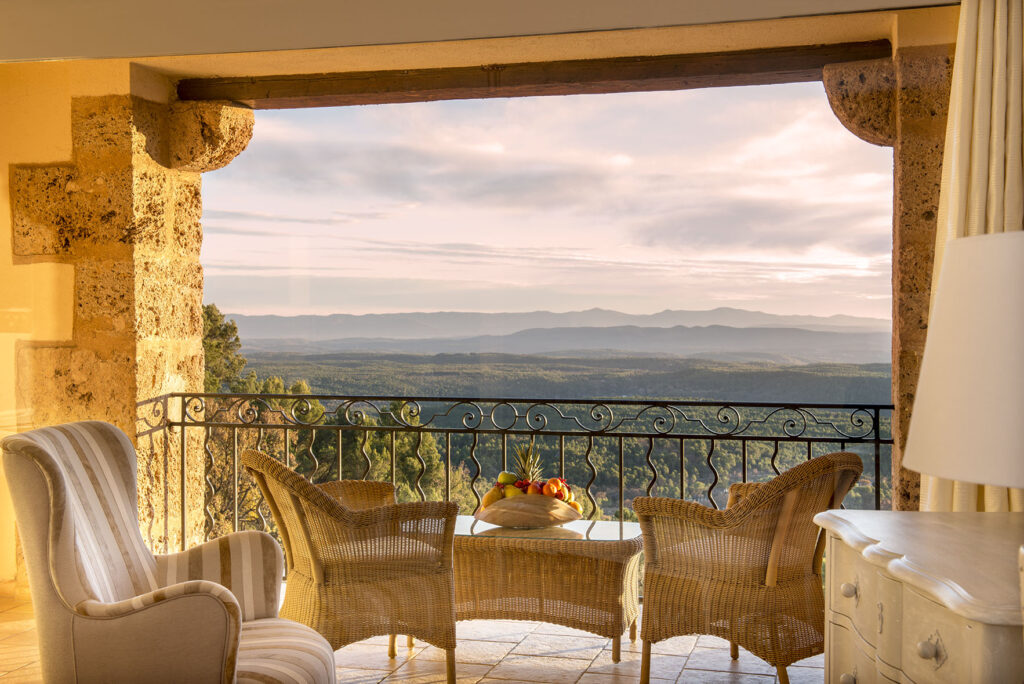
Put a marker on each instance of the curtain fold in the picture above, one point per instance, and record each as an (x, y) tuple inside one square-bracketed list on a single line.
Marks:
[(982, 180)]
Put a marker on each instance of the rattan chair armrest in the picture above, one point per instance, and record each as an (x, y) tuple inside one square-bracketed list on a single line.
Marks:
[(360, 494), (403, 512), (391, 521), (740, 490), (648, 507)]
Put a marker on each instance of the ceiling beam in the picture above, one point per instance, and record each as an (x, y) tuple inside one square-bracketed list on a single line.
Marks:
[(570, 77)]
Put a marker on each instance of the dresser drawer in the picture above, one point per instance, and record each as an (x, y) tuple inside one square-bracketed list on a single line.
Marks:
[(928, 626), (848, 660), (853, 589), (889, 604)]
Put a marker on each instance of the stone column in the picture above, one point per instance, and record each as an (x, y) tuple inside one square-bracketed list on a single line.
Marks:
[(903, 103), (125, 213)]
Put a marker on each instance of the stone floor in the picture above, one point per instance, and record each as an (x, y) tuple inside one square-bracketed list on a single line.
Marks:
[(498, 651)]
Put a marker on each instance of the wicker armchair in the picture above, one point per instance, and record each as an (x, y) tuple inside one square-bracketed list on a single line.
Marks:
[(358, 564), (750, 573)]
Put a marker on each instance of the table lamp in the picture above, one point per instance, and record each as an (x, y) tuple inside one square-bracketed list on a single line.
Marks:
[(968, 417)]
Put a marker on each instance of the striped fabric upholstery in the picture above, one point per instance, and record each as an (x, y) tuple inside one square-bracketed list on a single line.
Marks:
[(279, 650), (96, 462), (100, 565), (94, 608), (248, 563)]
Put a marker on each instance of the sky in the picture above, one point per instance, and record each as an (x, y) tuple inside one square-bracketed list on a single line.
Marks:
[(751, 197)]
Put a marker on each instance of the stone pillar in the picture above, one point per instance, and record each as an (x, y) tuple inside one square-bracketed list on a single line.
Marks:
[(125, 213), (903, 103)]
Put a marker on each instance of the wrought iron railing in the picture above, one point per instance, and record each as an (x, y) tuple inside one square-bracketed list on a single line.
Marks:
[(453, 448)]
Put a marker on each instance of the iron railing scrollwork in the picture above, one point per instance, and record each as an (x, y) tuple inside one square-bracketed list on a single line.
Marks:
[(453, 448)]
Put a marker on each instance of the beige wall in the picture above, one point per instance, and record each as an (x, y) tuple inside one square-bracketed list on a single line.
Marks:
[(70, 29), (36, 299)]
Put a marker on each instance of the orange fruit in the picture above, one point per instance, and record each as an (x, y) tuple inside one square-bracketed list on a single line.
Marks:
[(577, 506), (549, 489)]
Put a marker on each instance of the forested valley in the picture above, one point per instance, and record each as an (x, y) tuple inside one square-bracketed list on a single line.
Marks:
[(310, 433)]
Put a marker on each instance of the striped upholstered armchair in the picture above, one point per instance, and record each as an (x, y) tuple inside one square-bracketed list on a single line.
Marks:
[(108, 610)]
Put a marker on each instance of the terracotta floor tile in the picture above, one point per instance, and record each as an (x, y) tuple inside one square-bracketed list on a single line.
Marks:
[(813, 661), (712, 677), (711, 641), (662, 666), (805, 675), (9, 628), (547, 628), (372, 657), (30, 674), (467, 651), (592, 678), (494, 630), (678, 646), (26, 639), (540, 669), (554, 645), (418, 671), (718, 659), (352, 676)]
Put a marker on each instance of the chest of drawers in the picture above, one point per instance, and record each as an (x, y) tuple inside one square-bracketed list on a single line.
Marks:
[(922, 597)]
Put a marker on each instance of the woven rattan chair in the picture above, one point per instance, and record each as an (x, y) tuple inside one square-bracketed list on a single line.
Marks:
[(358, 564), (750, 573)]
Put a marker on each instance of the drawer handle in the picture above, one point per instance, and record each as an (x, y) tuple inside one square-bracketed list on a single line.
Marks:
[(927, 650), (848, 590), (847, 678)]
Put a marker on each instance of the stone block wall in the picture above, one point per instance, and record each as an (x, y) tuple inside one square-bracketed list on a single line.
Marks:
[(125, 212), (903, 103)]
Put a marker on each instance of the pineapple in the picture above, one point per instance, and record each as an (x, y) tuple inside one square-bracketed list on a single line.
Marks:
[(526, 463)]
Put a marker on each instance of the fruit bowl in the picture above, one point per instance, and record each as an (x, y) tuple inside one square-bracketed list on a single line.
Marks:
[(528, 512)]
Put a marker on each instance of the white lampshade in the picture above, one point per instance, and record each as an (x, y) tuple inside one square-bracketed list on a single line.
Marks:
[(968, 418)]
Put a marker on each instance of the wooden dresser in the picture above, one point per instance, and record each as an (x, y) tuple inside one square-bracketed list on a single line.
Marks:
[(923, 597)]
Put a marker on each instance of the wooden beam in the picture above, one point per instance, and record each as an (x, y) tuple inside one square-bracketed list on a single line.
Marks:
[(619, 74)]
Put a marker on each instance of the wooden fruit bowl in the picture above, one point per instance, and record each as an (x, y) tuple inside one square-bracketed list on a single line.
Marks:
[(530, 511)]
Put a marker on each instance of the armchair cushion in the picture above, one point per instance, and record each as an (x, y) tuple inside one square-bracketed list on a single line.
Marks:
[(248, 563), (279, 650)]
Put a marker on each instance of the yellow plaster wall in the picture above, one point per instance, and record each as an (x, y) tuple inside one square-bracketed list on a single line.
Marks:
[(35, 298)]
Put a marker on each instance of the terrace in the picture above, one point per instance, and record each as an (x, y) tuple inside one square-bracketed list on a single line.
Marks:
[(102, 203)]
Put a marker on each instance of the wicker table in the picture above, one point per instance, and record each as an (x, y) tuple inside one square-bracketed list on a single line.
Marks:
[(583, 574)]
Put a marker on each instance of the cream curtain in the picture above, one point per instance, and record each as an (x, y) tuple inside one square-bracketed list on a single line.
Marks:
[(982, 180)]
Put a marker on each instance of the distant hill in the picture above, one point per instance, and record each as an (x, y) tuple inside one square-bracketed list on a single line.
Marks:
[(715, 342), (450, 324), (502, 375)]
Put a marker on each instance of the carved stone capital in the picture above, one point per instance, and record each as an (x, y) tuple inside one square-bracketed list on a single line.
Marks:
[(863, 97), (205, 136)]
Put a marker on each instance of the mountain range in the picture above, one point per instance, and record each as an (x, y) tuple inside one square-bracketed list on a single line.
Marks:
[(448, 324), (718, 334)]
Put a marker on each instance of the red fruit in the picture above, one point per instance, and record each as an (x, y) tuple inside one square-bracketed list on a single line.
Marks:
[(560, 495)]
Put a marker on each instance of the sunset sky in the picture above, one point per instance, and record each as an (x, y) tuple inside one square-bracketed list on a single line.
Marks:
[(751, 197)]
